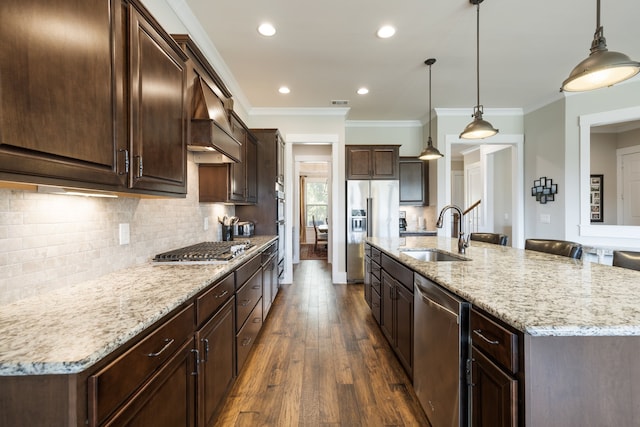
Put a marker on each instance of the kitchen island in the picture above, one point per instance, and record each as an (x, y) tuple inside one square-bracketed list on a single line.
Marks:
[(56, 348), (578, 323)]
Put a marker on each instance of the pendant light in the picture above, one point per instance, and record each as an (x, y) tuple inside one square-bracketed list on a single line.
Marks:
[(478, 128), (601, 68), (430, 152)]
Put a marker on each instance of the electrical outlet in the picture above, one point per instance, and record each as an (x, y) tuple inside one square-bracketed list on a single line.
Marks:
[(124, 234), (545, 218)]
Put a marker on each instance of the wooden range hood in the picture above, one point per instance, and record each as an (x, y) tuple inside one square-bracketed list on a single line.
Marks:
[(210, 126)]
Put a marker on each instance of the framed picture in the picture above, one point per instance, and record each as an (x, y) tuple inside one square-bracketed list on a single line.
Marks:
[(596, 198)]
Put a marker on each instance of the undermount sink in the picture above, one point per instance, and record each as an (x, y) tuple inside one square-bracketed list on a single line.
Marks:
[(431, 255)]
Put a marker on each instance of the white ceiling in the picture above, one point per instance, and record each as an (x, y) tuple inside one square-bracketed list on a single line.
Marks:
[(325, 50)]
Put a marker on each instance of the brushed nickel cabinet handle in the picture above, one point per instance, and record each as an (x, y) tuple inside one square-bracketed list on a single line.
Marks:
[(167, 344), (478, 332)]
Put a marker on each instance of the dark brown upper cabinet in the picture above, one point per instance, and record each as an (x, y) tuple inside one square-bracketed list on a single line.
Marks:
[(372, 161), (103, 111), (414, 182)]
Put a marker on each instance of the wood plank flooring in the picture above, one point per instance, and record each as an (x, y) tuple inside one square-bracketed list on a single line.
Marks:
[(321, 360)]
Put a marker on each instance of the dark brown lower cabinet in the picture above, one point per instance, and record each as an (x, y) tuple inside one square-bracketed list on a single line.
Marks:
[(397, 319), (494, 394), (217, 350), (174, 383)]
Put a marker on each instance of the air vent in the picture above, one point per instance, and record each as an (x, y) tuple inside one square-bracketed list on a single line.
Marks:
[(339, 102)]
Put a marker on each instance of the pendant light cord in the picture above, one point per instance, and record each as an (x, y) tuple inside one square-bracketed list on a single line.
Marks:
[(478, 52), (429, 117)]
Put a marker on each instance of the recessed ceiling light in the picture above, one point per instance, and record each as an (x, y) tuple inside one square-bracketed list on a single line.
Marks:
[(363, 91), (284, 90), (266, 29), (386, 31)]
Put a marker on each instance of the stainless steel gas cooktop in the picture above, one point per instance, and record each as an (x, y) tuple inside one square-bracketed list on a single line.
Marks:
[(203, 253)]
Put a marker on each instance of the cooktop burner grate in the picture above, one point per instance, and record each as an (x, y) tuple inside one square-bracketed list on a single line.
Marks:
[(205, 252)]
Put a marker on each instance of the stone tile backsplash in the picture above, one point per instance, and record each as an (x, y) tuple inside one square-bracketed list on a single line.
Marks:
[(48, 241)]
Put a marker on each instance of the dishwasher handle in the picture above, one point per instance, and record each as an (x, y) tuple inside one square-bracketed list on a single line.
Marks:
[(435, 304)]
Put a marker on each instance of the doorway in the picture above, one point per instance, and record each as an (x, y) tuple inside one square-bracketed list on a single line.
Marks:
[(515, 170)]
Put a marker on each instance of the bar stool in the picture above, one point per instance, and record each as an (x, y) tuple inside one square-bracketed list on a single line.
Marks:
[(556, 247), (495, 238), (626, 259)]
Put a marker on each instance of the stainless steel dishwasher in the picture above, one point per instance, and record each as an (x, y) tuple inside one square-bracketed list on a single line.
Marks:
[(440, 352)]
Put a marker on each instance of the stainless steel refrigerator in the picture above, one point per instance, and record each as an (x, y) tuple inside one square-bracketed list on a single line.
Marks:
[(372, 211)]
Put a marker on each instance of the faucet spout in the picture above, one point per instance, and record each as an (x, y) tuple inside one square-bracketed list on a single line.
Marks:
[(462, 242)]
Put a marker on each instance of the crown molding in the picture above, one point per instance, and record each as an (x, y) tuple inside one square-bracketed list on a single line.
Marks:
[(383, 123), (307, 111), (468, 112)]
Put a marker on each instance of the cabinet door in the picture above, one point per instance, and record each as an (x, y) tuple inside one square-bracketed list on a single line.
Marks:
[(251, 170), (404, 328), (62, 93), (384, 162), (387, 297), (359, 162), (267, 285), (217, 347), (367, 280), (413, 182), (158, 112), (494, 396), (238, 170), (167, 400)]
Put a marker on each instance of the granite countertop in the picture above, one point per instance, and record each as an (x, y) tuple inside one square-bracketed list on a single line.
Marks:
[(68, 330), (537, 293)]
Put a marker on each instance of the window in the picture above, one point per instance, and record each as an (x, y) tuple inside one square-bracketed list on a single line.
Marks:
[(317, 200)]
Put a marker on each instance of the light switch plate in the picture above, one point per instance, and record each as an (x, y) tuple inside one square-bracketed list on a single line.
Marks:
[(123, 233), (206, 223)]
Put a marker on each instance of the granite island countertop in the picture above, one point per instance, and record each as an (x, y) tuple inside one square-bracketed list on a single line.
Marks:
[(67, 330), (537, 293)]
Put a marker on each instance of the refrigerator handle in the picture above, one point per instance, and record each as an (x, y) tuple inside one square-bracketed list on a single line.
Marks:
[(369, 215)]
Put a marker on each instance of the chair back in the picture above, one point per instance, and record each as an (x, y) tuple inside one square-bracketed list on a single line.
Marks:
[(495, 238), (556, 247), (626, 259)]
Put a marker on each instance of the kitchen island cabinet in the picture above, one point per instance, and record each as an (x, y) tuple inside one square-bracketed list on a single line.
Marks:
[(147, 345), (566, 341)]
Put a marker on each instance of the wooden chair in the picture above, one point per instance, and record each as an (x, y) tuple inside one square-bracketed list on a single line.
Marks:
[(626, 259), (556, 247), (321, 238), (495, 238)]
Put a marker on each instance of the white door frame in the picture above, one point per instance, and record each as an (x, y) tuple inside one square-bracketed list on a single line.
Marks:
[(517, 188)]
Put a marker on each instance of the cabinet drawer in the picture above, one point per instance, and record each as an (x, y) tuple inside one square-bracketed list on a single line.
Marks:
[(247, 269), (247, 335), (209, 302), (375, 284), (367, 250), (111, 386), (398, 271), (495, 340), (375, 270), (247, 297), (375, 254)]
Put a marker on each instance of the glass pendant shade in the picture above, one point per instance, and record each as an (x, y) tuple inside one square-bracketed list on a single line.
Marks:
[(602, 68)]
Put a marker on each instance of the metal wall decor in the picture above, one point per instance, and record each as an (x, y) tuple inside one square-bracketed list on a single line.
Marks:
[(544, 190)]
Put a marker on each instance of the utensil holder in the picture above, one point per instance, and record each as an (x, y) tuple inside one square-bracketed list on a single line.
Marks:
[(227, 232)]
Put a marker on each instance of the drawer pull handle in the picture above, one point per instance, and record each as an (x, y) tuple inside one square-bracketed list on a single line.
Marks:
[(245, 302), (222, 294), (478, 332), (246, 342), (167, 342), (256, 287), (257, 319)]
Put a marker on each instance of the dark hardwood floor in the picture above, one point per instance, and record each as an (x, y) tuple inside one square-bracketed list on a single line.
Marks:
[(321, 360)]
